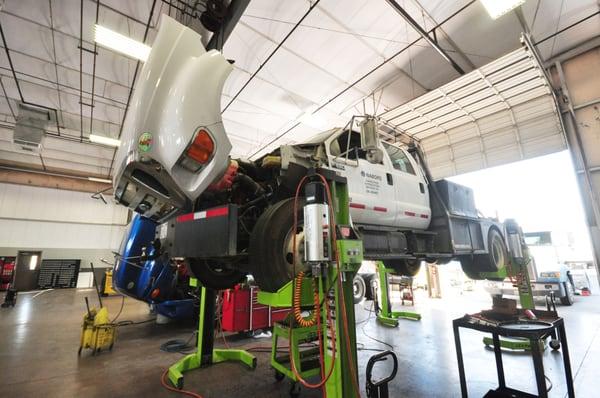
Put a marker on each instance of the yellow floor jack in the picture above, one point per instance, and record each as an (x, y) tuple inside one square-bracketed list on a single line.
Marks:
[(97, 332)]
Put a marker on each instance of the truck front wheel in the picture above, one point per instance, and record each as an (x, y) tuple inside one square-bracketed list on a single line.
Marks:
[(271, 253)]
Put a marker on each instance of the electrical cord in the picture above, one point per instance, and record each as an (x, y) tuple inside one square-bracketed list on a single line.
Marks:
[(168, 387), (130, 323), (372, 311), (179, 345), (120, 310)]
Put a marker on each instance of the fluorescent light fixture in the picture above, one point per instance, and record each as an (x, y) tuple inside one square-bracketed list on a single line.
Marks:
[(122, 44), (33, 262), (103, 180), (100, 139), (497, 8)]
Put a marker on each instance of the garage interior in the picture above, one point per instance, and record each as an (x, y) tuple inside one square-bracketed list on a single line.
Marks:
[(163, 162)]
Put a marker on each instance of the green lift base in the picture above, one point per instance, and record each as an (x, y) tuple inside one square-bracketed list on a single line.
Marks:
[(391, 319), (193, 361), (205, 354), (385, 316)]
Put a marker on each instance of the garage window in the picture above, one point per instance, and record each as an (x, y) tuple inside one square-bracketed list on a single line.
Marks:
[(399, 159)]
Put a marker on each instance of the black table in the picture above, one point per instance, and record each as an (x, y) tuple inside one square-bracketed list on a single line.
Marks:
[(547, 324)]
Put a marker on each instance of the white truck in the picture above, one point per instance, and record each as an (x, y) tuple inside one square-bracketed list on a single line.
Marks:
[(173, 166)]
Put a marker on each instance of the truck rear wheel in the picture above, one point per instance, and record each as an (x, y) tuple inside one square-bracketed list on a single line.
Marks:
[(404, 267), (214, 276), (492, 261), (497, 255), (471, 269), (270, 251)]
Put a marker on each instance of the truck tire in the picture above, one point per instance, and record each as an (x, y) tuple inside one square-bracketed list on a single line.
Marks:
[(270, 254), (468, 266), (214, 276), (569, 297), (472, 270), (497, 255), (359, 288), (404, 267), (492, 261), (369, 279)]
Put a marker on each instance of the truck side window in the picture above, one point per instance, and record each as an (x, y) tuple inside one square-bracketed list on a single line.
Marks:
[(399, 159), (340, 147)]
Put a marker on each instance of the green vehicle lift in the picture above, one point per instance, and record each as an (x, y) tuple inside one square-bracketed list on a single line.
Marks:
[(383, 306), (526, 298), (345, 366), (205, 354)]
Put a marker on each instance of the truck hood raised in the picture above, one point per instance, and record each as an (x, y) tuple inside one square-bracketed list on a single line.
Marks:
[(177, 92)]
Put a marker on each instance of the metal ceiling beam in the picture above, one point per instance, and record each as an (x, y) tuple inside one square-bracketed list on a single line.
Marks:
[(234, 13), (425, 35), (13, 174), (558, 32), (451, 42), (573, 51)]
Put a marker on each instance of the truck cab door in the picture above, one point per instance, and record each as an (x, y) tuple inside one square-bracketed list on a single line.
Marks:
[(410, 188), (372, 198)]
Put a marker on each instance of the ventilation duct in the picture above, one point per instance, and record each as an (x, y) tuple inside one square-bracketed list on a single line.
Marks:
[(29, 129)]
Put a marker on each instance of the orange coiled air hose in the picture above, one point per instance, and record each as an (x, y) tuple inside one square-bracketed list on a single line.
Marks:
[(312, 319)]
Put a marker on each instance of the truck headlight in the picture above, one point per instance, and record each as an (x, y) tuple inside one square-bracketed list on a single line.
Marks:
[(199, 152)]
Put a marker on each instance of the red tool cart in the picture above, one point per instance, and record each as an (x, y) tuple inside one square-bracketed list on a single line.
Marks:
[(242, 313), (7, 268)]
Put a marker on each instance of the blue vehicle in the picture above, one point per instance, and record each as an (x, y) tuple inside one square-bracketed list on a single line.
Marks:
[(143, 274)]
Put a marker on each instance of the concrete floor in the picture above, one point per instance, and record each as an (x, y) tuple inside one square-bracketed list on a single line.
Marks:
[(40, 337)]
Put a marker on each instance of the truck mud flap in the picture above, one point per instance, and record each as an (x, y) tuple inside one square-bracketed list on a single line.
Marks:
[(203, 234)]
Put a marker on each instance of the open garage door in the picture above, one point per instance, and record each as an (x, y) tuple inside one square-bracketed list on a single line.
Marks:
[(502, 112)]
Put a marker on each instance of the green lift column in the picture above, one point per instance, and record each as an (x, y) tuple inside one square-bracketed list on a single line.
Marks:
[(517, 268), (344, 382), (385, 315), (344, 376), (205, 354)]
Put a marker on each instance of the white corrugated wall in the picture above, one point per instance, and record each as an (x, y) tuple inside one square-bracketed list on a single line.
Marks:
[(33, 217)]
